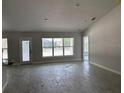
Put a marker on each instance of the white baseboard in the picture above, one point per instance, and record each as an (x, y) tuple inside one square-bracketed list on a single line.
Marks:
[(57, 61), (106, 68)]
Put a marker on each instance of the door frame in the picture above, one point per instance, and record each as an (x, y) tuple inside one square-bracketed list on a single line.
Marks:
[(30, 44)]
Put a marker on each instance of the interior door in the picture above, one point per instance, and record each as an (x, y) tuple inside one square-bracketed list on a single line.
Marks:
[(26, 51)]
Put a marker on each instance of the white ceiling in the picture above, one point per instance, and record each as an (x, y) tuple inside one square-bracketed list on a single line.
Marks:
[(62, 15)]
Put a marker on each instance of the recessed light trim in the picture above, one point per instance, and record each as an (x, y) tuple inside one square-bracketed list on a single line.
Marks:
[(94, 18), (46, 19), (77, 5)]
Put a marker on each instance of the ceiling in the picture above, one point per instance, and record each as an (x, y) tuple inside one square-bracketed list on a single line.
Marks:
[(53, 15)]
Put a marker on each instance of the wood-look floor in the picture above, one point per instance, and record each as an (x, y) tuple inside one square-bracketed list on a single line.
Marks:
[(61, 78)]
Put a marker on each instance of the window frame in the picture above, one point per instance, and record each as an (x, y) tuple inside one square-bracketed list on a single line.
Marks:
[(61, 46), (58, 47), (5, 49), (47, 47), (68, 46)]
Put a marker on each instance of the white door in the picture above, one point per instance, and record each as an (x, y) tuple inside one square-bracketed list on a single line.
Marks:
[(26, 50)]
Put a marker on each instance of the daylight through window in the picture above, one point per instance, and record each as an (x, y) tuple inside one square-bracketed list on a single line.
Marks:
[(57, 46)]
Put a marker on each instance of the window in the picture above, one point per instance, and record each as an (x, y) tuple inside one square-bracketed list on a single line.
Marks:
[(57, 46), (4, 50), (47, 47), (68, 46)]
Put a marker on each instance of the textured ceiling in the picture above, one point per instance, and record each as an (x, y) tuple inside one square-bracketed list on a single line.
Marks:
[(53, 15)]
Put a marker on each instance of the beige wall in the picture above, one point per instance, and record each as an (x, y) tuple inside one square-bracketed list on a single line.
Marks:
[(14, 45), (105, 40)]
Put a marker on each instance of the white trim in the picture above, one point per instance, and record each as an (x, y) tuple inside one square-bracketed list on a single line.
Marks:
[(57, 61), (106, 68), (61, 46)]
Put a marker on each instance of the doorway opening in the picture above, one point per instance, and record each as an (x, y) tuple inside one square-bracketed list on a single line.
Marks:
[(25, 51), (85, 49)]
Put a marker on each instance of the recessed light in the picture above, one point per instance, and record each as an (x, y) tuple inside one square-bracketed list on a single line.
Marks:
[(77, 5), (92, 19), (46, 19)]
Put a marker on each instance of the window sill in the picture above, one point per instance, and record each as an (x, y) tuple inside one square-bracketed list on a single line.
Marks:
[(58, 56)]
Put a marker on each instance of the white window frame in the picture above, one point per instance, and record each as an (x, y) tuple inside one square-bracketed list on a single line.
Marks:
[(53, 47), (58, 46), (47, 47), (68, 46), (4, 49)]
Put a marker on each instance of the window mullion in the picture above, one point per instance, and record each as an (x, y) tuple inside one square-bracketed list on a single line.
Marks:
[(63, 46), (52, 47)]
